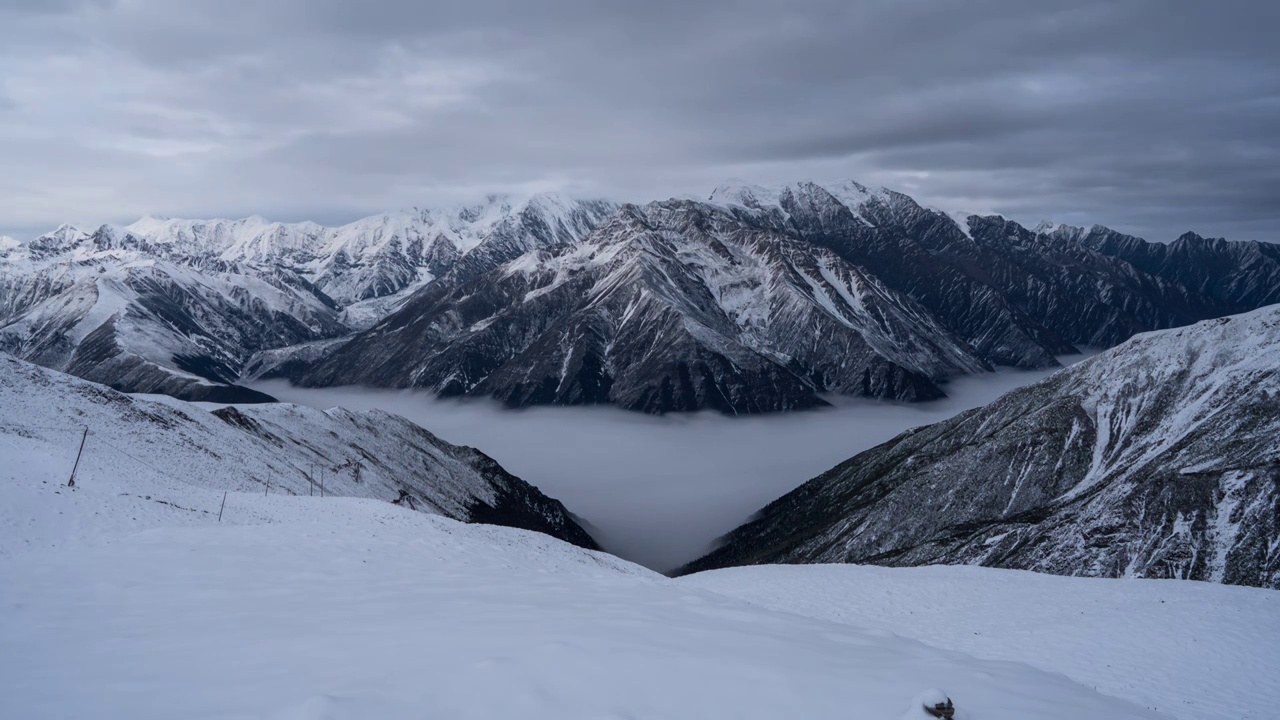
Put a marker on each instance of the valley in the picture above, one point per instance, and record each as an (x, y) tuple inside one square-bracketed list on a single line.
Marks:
[(659, 490)]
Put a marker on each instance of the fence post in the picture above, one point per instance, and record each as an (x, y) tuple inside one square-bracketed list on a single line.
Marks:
[(71, 482)]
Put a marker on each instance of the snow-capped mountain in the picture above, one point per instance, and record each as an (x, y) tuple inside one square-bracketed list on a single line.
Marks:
[(383, 255), (1017, 295), (673, 306), (273, 448), (182, 306), (102, 306), (1157, 459), (758, 299), (766, 298)]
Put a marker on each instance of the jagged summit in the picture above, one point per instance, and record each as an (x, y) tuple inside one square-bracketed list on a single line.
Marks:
[(763, 197)]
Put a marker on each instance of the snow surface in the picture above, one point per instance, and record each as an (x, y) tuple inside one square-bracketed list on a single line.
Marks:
[(1193, 650), (347, 608)]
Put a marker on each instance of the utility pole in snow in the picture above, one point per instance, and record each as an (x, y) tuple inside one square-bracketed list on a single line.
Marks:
[(71, 482)]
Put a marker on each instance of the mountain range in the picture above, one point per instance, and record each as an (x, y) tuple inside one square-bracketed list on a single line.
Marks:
[(753, 300), (1156, 459)]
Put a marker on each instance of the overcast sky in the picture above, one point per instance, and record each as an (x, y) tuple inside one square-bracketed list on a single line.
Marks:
[(1152, 116)]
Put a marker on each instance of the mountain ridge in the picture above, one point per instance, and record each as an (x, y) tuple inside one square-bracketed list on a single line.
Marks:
[(1154, 459), (987, 293), (754, 300)]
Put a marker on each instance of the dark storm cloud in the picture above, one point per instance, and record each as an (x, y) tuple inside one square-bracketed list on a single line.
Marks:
[(1154, 116)]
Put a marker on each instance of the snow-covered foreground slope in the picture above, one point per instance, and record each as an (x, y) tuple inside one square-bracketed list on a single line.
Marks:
[(344, 608), (146, 462), (1193, 650)]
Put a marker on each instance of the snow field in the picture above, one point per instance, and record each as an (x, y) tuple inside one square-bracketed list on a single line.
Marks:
[(1193, 650), (368, 610)]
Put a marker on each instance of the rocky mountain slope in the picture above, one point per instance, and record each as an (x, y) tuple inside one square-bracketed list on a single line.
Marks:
[(1239, 275), (1155, 459), (766, 299), (673, 306), (99, 306), (1019, 296), (274, 448)]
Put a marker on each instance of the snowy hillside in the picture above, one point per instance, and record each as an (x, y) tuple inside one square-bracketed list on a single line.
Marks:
[(1157, 458), (1192, 650), (346, 609), (154, 460)]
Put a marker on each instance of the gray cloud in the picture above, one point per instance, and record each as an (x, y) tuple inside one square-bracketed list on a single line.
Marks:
[(1153, 116)]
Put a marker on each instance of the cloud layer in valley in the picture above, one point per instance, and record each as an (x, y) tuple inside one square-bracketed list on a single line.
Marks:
[(1153, 116), (660, 490)]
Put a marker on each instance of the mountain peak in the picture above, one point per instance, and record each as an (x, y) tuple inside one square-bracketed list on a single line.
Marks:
[(736, 192), (850, 193), (853, 193)]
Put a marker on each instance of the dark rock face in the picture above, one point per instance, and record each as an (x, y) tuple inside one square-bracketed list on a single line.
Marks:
[(100, 358), (1155, 459), (518, 504), (1236, 275)]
